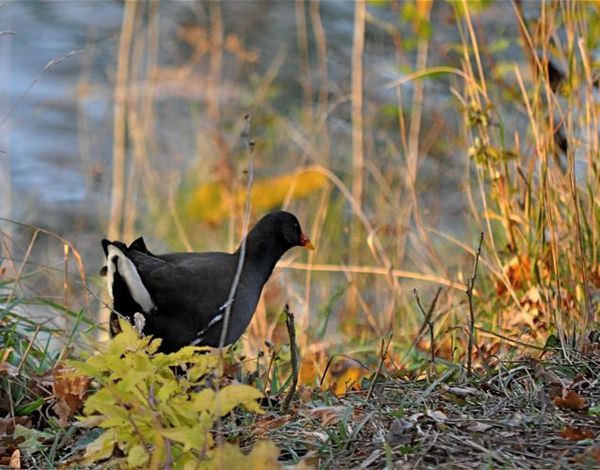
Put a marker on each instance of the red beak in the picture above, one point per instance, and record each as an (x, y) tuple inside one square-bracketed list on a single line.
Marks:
[(306, 243)]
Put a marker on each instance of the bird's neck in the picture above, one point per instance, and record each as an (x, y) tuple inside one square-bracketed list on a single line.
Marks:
[(261, 255)]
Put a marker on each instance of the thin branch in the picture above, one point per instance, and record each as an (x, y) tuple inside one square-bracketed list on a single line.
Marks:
[(289, 322), (470, 287), (242, 252), (428, 321), (382, 356)]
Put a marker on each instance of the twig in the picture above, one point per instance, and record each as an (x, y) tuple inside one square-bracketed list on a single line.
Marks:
[(26, 353), (382, 355), (470, 286), (22, 267), (427, 321), (242, 251), (289, 322), (327, 365)]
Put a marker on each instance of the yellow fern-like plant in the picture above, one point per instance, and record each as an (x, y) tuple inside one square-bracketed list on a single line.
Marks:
[(152, 418)]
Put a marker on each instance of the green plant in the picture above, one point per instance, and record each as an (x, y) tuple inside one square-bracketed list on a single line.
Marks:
[(152, 417)]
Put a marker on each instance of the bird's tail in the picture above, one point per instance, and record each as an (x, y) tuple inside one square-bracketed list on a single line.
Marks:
[(123, 280)]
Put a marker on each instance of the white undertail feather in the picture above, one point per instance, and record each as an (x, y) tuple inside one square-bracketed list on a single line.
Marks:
[(132, 278), (110, 276), (139, 321)]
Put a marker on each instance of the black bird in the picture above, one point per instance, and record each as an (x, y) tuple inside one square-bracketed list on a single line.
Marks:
[(183, 296)]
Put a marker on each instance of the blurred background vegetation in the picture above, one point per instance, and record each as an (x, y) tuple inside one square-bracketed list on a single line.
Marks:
[(397, 131)]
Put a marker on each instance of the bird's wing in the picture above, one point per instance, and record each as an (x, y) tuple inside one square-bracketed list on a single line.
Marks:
[(190, 286)]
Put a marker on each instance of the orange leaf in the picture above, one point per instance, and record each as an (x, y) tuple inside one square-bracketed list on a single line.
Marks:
[(571, 400), (517, 271), (344, 374), (576, 434), (15, 459), (70, 391), (309, 372)]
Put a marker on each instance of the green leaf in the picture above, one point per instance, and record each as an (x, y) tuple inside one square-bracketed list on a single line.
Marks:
[(29, 407), (29, 439)]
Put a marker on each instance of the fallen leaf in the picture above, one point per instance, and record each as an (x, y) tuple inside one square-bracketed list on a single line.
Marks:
[(31, 440), (572, 433), (590, 457), (328, 414), (231, 369), (15, 459), (415, 417), (70, 391), (571, 400), (268, 423), (478, 426), (461, 391), (343, 375), (310, 369), (549, 377), (517, 271), (7, 368), (437, 415), (7, 425), (401, 432), (305, 393)]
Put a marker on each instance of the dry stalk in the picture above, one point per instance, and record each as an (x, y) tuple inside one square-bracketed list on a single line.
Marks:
[(470, 287), (383, 351), (119, 127), (23, 264), (246, 222), (394, 273), (428, 321), (289, 322)]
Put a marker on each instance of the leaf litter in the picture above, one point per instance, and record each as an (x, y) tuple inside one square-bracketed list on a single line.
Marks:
[(525, 414)]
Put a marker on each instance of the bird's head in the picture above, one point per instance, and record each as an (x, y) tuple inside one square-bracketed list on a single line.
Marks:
[(281, 229)]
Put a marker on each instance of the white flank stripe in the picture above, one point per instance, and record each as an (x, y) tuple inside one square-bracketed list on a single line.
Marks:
[(200, 335), (218, 318), (131, 277), (110, 276)]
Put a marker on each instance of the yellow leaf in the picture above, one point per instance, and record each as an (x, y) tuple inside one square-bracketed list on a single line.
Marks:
[(423, 8), (264, 455), (238, 394), (101, 448), (191, 437), (343, 375), (137, 456), (202, 401), (213, 202)]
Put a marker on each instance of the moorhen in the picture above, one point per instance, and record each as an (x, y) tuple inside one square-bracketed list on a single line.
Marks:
[(183, 296)]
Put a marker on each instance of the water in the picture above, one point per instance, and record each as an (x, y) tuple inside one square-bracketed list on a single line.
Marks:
[(57, 74)]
